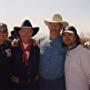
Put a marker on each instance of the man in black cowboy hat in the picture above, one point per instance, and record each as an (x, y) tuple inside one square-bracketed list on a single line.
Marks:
[(25, 68)]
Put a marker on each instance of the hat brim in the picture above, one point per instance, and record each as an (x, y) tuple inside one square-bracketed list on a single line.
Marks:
[(64, 23), (68, 31), (35, 29)]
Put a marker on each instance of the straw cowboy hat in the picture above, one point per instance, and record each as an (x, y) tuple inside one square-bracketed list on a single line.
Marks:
[(57, 18), (27, 24)]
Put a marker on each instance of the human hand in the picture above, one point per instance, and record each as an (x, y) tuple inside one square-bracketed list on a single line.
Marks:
[(14, 79)]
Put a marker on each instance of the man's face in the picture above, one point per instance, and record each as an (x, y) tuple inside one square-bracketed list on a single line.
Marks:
[(55, 28), (69, 39), (25, 34), (3, 36)]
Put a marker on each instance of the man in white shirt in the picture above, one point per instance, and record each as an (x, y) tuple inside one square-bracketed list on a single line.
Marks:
[(77, 64)]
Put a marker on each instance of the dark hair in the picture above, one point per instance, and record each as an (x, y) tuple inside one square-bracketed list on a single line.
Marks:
[(78, 40), (4, 26), (73, 29)]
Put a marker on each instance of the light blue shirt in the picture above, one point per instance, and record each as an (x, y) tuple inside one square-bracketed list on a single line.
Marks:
[(52, 59)]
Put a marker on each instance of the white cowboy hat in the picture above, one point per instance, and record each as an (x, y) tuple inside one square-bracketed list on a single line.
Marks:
[(57, 18)]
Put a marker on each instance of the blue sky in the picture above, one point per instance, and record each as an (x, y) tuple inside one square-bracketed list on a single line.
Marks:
[(76, 12)]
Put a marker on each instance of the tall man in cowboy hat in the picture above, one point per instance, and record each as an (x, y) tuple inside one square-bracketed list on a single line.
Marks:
[(53, 56), (25, 65)]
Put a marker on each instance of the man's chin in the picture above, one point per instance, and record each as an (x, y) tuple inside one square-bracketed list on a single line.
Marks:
[(67, 44)]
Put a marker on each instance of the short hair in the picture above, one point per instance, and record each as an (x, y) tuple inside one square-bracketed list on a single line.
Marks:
[(3, 27)]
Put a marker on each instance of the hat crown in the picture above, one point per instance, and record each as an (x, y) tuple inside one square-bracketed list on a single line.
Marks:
[(71, 28), (26, 23), (57, 18)]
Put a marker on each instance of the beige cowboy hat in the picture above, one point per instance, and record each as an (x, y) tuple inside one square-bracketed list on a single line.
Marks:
[(57, 18)]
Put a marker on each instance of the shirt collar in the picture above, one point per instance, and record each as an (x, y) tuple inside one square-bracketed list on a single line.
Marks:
[(56, 39)]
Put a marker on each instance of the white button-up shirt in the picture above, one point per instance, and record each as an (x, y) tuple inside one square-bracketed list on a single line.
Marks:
[(77, 69)]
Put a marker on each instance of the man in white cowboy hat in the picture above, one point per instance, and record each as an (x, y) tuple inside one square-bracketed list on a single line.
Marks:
[(25, 65), (53, 56)]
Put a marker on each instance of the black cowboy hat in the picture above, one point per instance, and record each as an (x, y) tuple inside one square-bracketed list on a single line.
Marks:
[(27, 24), (14, 33)]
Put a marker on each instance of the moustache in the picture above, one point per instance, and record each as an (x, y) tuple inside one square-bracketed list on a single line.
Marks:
[(54, 30)]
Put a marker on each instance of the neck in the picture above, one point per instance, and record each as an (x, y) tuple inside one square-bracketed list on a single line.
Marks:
[(25, 41), (72, 46), (54, 36), (1, 43)]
